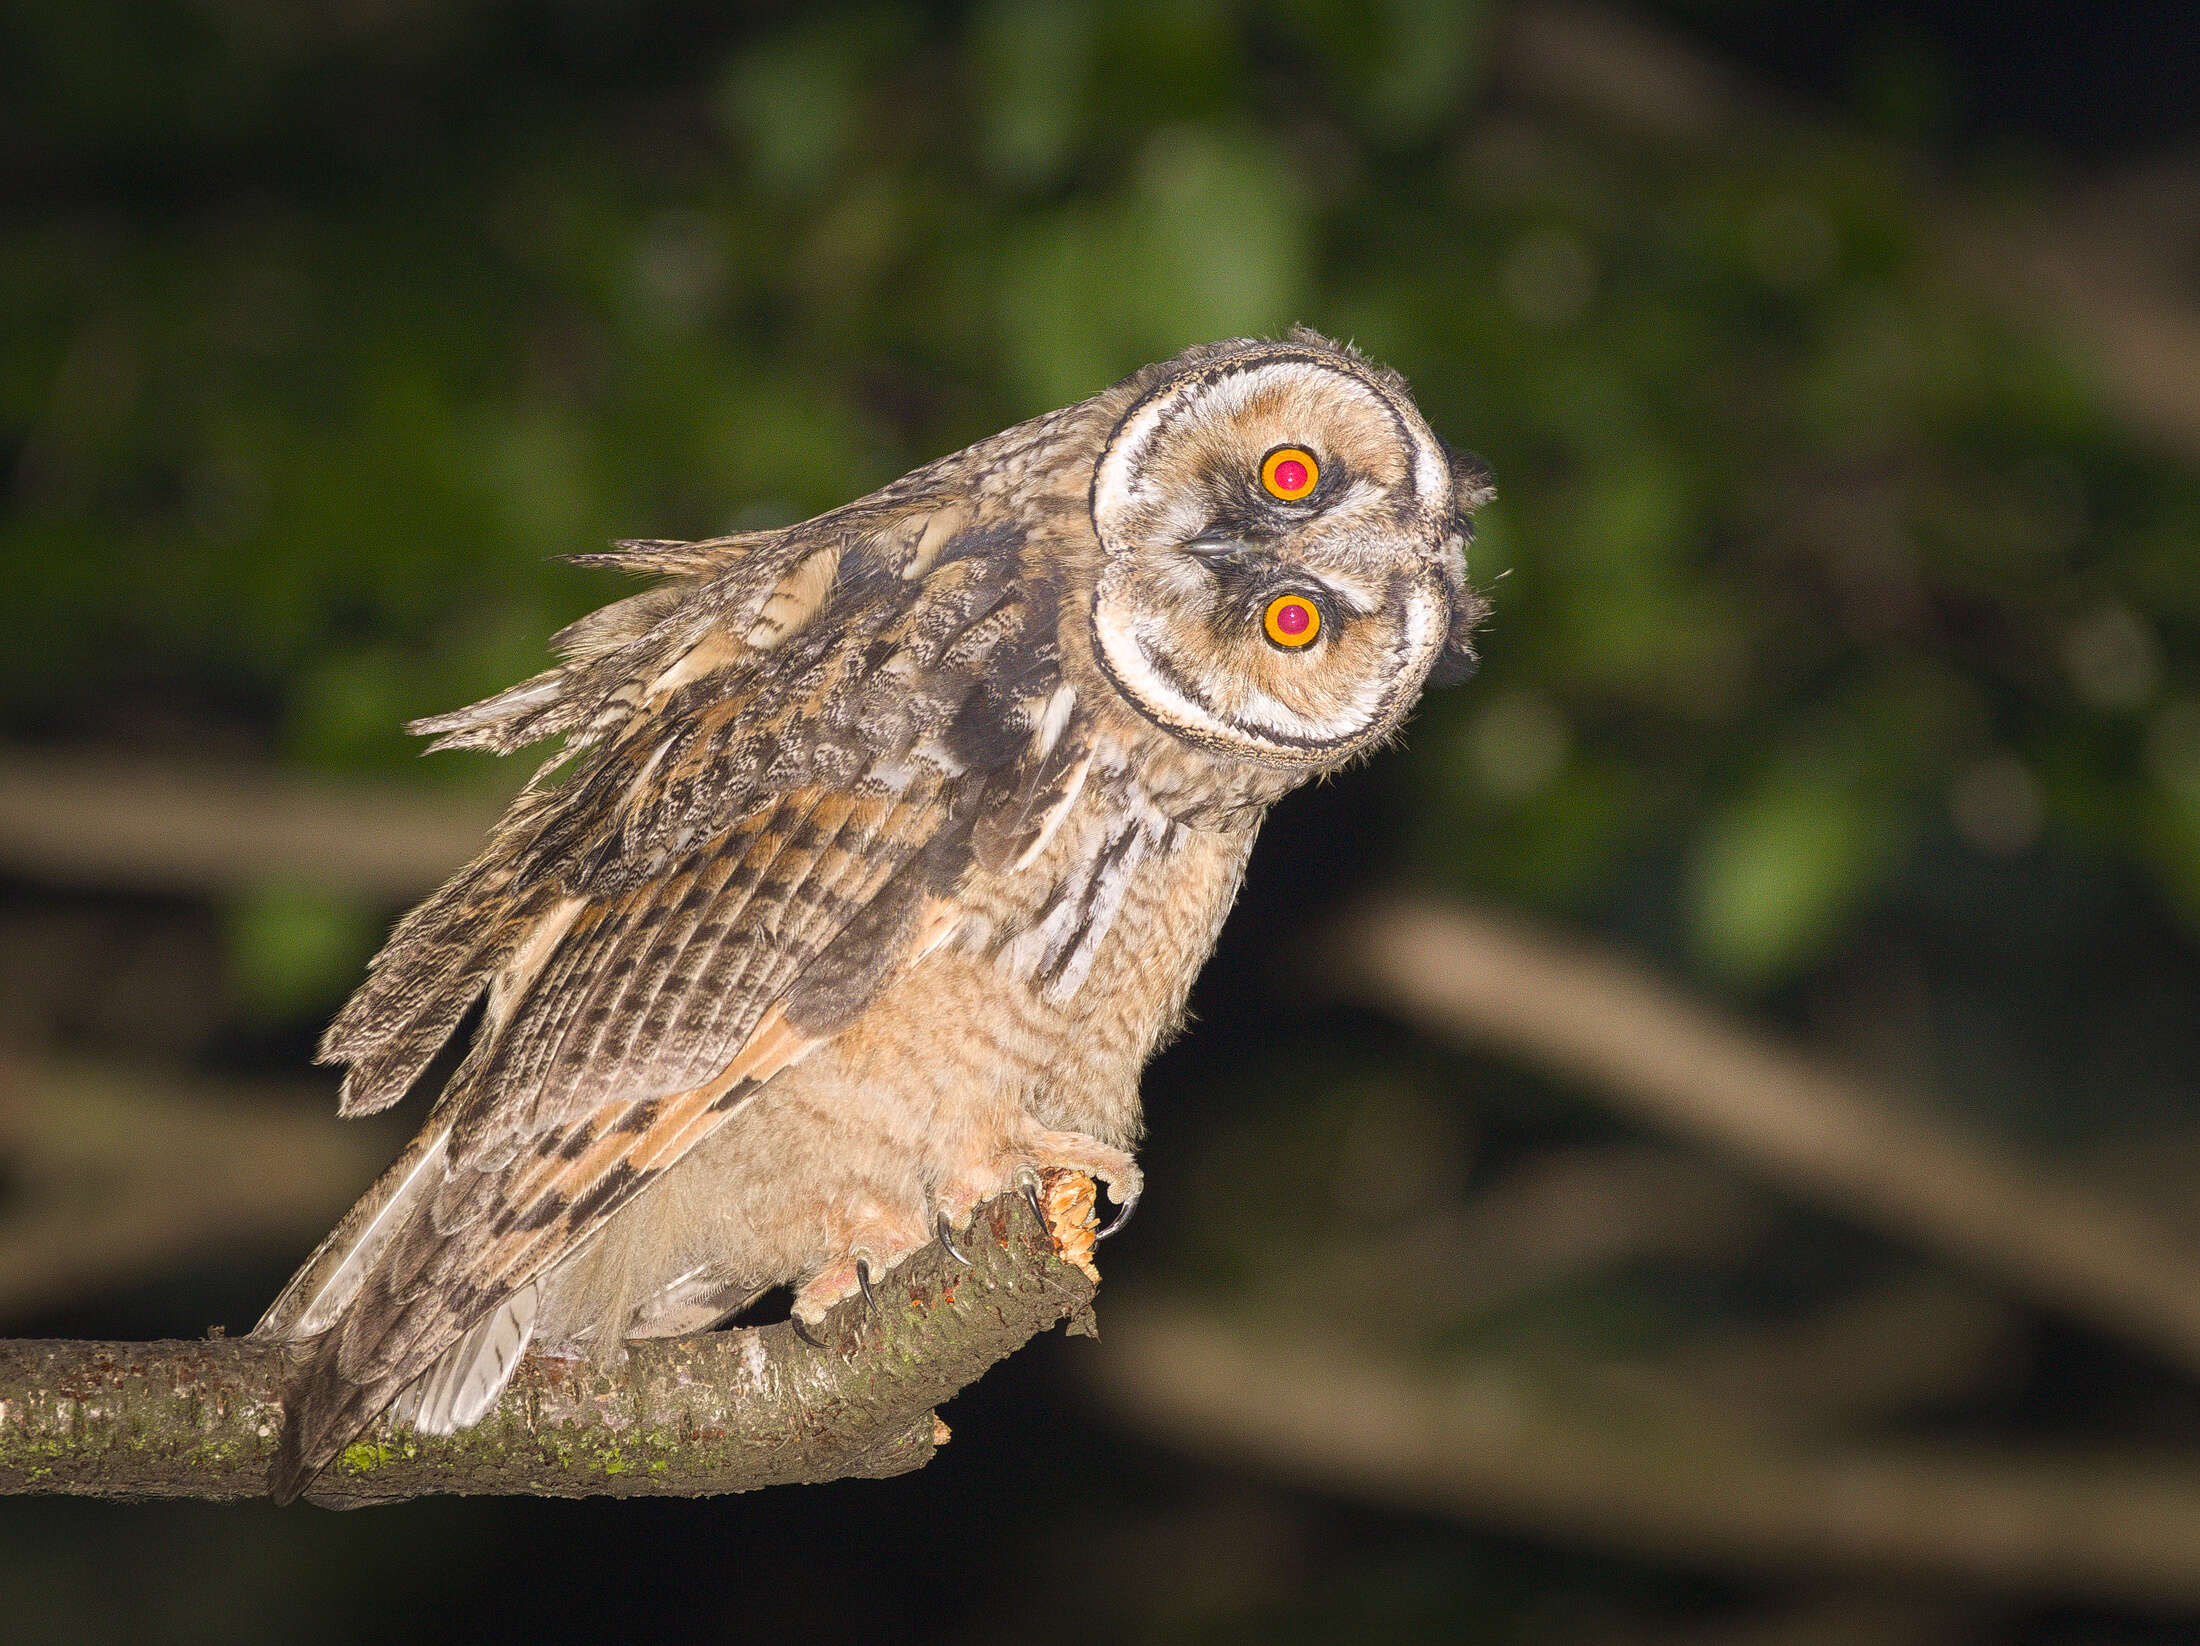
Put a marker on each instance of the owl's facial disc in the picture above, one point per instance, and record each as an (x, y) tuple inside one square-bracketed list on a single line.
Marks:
[(1282, 540)]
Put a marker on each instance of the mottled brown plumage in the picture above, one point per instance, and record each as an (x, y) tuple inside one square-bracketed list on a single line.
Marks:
[(880, 855)]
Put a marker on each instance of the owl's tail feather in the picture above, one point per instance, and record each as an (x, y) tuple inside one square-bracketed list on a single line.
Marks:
[(323, 1413), (324, 1410)]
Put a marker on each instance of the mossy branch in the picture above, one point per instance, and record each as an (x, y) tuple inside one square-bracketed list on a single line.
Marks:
[(689, 1417)]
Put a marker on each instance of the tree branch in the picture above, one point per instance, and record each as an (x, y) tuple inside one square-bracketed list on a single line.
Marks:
[(689, 1417)]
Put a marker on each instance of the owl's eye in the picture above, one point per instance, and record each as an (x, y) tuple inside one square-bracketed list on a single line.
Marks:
[(1292, 621), (1289, 472)]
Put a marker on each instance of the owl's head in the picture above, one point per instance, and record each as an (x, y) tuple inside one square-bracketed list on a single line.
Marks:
[(1283, 551)]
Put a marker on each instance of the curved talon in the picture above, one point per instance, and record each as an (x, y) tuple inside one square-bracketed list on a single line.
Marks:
[(1123, 1210), (947, 1240), (1038, 1207), (863, 1279), (803, 1332)]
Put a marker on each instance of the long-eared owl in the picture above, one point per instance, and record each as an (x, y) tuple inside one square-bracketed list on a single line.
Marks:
[(880, 854)]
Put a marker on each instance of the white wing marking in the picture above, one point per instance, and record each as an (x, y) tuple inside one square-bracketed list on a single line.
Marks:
[(464, 1383)]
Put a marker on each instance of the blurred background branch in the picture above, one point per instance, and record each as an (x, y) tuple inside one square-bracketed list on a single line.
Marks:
[(1538, 1449), (90, 820), (116, 1176), (1585, 1014)]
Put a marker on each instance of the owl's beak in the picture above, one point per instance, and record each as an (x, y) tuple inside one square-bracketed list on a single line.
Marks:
[(1217, 544)]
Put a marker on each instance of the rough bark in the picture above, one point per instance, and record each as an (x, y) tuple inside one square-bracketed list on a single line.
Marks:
[(725, 1412)]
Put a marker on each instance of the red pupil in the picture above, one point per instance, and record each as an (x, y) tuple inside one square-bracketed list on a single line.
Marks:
[(1290, 475), (1293, 618)]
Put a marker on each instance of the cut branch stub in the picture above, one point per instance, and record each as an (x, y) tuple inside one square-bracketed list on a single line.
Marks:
[(687, 1417)]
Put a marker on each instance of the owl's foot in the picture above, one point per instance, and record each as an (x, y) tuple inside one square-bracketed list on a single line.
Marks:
[(875, 1245), (1075, 1152), (1051, 1170), (851, 1276), (947, 1241)]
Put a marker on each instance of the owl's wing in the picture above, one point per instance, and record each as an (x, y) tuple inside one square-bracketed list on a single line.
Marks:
[(743, 863)]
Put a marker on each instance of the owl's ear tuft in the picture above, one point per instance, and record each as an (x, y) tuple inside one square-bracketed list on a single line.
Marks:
[(1472, 484)]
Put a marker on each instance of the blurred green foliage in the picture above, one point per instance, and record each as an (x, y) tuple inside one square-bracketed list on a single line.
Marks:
[(327, 325), (294, 948)]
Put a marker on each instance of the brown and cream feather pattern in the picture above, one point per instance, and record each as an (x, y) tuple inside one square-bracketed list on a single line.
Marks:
[(857, 851)]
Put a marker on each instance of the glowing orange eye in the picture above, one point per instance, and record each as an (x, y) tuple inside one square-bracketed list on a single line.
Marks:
[(1292, 620), (1289, 472)]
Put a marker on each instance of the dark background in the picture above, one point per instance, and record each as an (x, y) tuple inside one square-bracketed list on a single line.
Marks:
[(1845, 670)]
